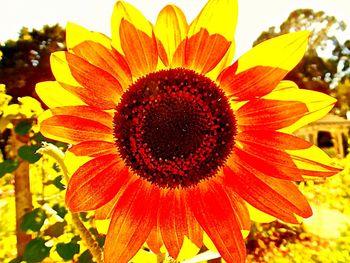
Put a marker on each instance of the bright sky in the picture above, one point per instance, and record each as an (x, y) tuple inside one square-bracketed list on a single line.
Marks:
[(254, 15)]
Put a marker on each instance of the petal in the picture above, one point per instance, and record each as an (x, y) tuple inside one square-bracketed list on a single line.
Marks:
[(94, 148), (317, 103), (61, 70), (125, 11), (97, 82), (279, 198), (272, 139), (314, 162), (172, 221), (154, 240), (96, 183), (170, 29), (52, 94), (71, 129), (133, 219), (262, 114), (108, 60), (194, 231), (85, 112), (202, 52), (273, 162), (212, 208), (218, 17), (139, 48), (76, 35), (283, 52), (251, 83)]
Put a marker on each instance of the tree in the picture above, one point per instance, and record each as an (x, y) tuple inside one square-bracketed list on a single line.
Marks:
[(315, 71), (26, 61)]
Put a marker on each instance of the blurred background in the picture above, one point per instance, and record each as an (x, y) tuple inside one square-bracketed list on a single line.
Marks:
[(34, 223)]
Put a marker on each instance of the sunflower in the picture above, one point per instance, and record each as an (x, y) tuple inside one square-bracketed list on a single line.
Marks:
[(181, 142)]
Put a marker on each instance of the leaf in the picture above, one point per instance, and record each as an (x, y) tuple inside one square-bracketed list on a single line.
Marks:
[(33, 220), (67, 251), (85, 257), (57, 182), (36, 250), (8, 166), (61, 210), (28, 153), (23, 127)]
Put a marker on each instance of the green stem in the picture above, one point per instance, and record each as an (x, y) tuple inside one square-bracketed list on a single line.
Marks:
[(52, 151)]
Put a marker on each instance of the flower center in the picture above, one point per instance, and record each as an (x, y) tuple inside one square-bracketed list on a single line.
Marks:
[(174, 128)]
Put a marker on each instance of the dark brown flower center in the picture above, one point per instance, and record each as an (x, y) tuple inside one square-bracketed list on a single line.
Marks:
[(174, 128)]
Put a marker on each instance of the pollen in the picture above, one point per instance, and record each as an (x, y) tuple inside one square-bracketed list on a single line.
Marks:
[(174, 128)]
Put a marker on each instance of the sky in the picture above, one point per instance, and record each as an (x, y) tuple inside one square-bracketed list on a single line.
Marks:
[(255, 16)]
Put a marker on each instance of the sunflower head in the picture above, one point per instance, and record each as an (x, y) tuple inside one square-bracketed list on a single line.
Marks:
[(182, 144)]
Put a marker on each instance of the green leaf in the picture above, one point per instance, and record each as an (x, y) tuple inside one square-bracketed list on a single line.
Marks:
[(23, 127), (28, 153), (57, 182), (67, 251), (61, 210), (85, 257), (36, 251), (33, 220), (8, 166)]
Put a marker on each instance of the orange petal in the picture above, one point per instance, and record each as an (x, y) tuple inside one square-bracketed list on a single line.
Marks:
[(212, 208), (94, 148), (85, 112), (154, 240), (272, 139), (140, 49), (125, 11), (262, 114), (202, 52), (172, 221), (108, 60), (253, 82), (97, 82), (71, 129), (170, 29), (96, 183), (240, 209), (194, 231), (133, 218), (273, 162), (276, 197)]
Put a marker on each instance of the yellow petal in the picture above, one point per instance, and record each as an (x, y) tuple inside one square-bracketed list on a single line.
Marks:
[(218, 17), (284, 52), (61, 70), (170, 29), (73, 162), (208, 243), (123, 10), (259, 216), (318, 104), (54, 95), (76, 34)]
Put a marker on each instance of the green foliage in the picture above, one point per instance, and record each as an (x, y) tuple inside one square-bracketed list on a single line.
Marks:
[(67, 251), (28, 153), (33, 220), (8, 166), (23, 127), (36, 251)]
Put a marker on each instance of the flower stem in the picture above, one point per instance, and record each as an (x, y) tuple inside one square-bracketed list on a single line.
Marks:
[(53, 151)]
